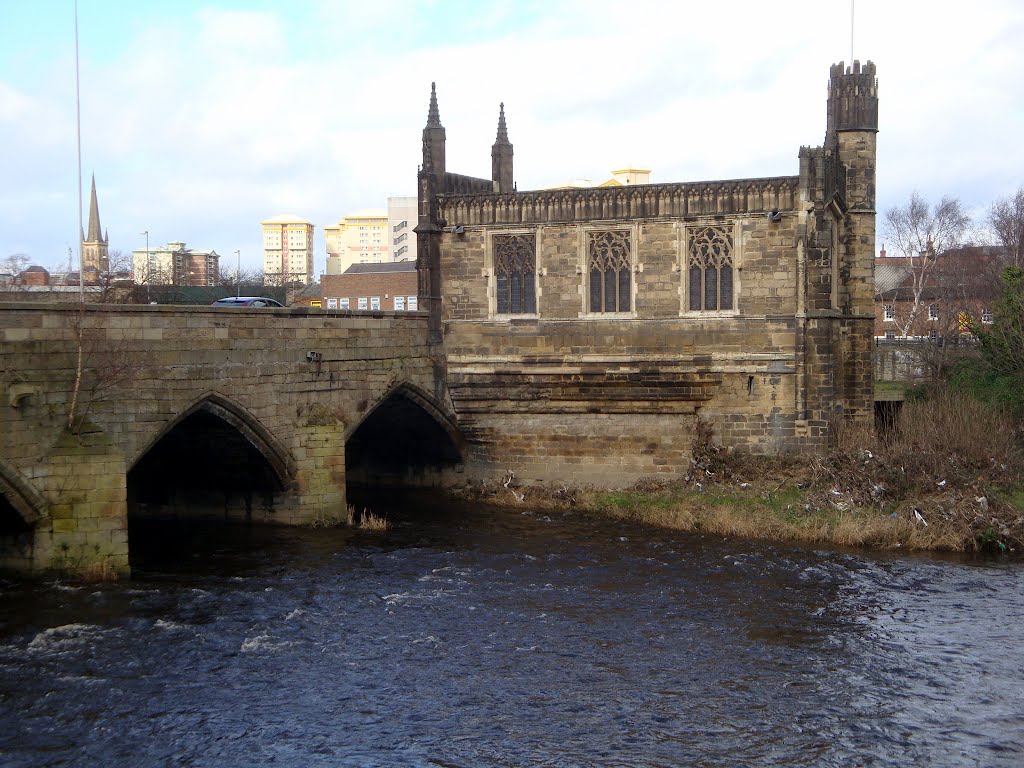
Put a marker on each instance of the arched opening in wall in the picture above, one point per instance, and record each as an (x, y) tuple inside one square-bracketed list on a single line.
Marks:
[(208, 466), (16, 537), (20, 511), (404, 442)]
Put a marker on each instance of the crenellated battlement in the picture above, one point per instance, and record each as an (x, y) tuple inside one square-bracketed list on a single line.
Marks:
[(852, 98)]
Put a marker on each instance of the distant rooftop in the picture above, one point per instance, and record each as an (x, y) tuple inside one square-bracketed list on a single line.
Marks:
[(621, 178), (388, 266)]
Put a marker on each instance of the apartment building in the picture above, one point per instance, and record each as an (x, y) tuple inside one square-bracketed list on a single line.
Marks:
[(287, 250), (174, 264), (361, 238)]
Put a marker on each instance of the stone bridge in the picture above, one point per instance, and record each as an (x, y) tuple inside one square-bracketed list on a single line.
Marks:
[(259, 415)]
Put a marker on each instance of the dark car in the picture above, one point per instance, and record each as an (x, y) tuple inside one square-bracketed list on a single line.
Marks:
[(246, 301)]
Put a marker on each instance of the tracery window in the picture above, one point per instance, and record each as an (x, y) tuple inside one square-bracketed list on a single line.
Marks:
[(710, 263), (609, 268), (515, 269)]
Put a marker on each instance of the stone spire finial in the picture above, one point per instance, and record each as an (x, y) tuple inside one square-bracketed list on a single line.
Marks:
[(95, 231), (433, 142), (433, 116), (502, 130), (501, 157)]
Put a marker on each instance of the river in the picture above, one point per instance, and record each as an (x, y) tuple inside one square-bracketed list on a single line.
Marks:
[(477, 636)]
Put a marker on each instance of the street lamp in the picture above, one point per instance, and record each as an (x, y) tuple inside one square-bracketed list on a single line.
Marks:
[(149, 266), (238, 274)]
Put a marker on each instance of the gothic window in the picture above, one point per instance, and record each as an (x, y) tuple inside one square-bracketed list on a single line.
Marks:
[(515, 269), (609, 269), (710, 269)]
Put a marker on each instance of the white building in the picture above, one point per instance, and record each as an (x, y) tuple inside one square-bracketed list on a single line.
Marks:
[(373, 236), (403, 213), (357, 239)]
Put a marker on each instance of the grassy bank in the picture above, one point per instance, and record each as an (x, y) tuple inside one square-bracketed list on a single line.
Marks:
[(949, 476)]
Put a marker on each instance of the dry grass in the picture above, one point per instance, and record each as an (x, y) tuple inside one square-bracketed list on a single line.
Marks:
[(371, 522), (752, 513), (948, 477)]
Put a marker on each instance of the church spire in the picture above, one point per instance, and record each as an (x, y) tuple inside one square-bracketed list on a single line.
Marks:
[(95, 260), (433, 116), (95, 231), (502, 130)]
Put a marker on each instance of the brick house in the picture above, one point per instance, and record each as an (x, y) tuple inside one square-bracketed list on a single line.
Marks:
[(380, 287), (959, 287)]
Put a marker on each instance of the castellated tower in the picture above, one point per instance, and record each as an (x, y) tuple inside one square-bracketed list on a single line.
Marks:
[(840, 178), (850, 138), (851, 128)]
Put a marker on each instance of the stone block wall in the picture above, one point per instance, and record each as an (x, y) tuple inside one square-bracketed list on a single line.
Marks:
[(146, 368), (770, 374)]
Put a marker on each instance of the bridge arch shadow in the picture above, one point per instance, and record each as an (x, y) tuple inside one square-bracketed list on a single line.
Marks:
[(404, 439), (22, 508), (213, 461)]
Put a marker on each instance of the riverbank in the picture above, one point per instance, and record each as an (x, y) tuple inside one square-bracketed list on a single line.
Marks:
[(801, 500), (948, 477)]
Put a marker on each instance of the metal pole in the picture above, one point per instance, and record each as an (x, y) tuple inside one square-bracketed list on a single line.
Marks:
[(149, 266), (238, 275), (78, 131), (851, 31)]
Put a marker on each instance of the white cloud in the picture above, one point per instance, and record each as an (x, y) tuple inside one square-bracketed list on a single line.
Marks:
[(200, 129)]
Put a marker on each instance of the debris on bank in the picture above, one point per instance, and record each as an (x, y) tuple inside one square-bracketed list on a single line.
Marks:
[(859, 497)]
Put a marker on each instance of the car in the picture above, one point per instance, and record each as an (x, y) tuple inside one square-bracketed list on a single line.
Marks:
[(246, 301)]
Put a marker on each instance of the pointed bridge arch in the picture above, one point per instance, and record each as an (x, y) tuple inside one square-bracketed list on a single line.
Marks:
[(405, 436), (278, 457), (28, 503)]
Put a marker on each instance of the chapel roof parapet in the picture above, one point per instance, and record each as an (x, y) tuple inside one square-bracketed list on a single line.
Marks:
[(737, 196)]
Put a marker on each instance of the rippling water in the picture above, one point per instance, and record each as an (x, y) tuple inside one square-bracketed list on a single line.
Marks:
[(483, 637)]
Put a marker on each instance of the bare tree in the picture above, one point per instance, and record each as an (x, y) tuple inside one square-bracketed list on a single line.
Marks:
[(105, 363), (116, 285), (1006, 217), (15, 263), (235, 279), (917, 232)]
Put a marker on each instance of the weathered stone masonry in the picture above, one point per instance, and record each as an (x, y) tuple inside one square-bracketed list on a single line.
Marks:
[(586, 330), (149, 368)]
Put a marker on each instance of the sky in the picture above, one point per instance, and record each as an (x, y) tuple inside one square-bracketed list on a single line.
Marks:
[(200, 118)]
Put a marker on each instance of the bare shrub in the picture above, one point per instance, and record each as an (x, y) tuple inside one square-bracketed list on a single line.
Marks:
[(949, 433)]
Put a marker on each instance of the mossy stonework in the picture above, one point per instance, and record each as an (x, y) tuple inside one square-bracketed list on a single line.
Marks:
[(148, 370)]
